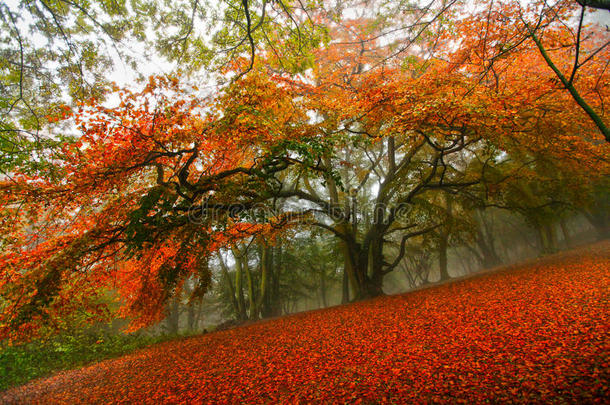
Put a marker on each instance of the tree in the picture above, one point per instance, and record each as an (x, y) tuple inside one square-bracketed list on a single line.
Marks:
[(485, 239), (149, 190), (401, 161)]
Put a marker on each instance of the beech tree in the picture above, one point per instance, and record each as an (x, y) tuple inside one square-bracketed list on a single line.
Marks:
[(151, 187)]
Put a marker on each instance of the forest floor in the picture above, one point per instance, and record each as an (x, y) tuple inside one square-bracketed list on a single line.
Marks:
[(534, 332)]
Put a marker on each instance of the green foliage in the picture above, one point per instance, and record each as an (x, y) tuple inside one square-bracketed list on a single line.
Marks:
[(209, 34), (20, 364), (53, 53)]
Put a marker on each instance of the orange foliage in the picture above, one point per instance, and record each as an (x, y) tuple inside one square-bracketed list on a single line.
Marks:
[(117, 215)]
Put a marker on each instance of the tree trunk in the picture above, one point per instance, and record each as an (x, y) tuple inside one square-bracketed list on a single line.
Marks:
[(368, 286), (252, 308), (191, 317), (442, 256), (374, 272), (544, 244), (548, 240), (566, 234), (173, 316), (374, 285), (345, 289), (264, 280), (600, 222), (550, 229), (362, 264), (239, 292), (233, 296), (323, 287), (198, 313), (488, 252), (444, 234), (485, 242), (275, 271), (349, 268)]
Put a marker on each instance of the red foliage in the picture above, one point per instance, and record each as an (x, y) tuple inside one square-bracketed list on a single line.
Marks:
[(69, 237), (534, 333)]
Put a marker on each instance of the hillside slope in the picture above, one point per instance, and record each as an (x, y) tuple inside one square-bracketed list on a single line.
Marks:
[(538, 332)]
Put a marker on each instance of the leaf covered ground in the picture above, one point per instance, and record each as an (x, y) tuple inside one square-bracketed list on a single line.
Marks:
[(538, 332)]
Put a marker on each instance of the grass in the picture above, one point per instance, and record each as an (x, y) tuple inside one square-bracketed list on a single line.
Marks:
[(22, 363)]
